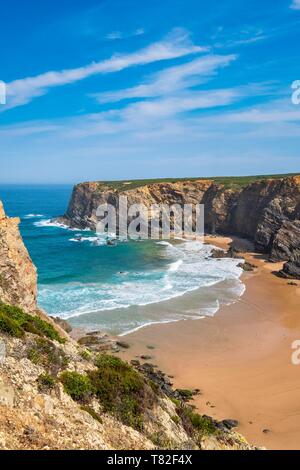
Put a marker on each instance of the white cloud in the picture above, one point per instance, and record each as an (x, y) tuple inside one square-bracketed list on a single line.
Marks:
[(114, 35), (142, 117), (295, 5), (172, 79), (118, 35), (20, 92), (160, 133), (187, 101)]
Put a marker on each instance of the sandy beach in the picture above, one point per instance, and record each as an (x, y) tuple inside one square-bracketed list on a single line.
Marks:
[(240, 358)]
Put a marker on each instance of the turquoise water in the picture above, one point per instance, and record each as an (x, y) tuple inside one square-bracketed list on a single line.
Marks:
[(117, 288)]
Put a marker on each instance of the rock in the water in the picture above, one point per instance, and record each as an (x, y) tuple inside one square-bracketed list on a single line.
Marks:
[(217, 254)]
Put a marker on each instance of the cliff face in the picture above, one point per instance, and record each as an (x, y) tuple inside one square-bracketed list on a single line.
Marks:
[(266, 211), (17, 273)]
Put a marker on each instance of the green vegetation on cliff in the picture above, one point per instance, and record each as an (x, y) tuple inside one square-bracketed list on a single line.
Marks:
[(15, 322), (120, 389), (234, 182)]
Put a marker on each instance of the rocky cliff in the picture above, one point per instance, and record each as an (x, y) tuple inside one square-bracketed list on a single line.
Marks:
[(267, 211), (18, 282), (57, 394)]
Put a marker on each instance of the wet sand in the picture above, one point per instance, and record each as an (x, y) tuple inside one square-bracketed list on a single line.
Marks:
[(240, 359)]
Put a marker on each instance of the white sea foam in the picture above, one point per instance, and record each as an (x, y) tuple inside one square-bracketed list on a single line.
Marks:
[(50, 223), (33, 216), (151, 323), (175, 266), (54, 223), (190, 268), (93, 240)]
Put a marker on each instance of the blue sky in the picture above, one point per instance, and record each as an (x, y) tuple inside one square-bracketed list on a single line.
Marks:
[(119, 89)]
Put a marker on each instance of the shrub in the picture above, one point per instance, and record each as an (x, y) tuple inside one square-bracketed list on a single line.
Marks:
[(195, 424), (14, 321), (175, 401), (86, 355), (121, 390), (78, 386), (46, 382), (46, 354), (202, 423), (10, 326), (176, 419), (185, 394), (46, 329)]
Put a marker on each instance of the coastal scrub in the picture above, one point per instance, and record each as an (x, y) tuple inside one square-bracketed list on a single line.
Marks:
[(121, 390), (15, 322)]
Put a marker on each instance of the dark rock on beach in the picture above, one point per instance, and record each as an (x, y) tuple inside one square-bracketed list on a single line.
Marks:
[(63, 324), (266, 431), (135, 363), (123, 344), (291, 269), (146, 358), (98, 341), (230, 423), (247, 267)]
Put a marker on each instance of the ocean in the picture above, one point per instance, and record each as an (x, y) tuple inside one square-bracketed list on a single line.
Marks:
[(116, 288)]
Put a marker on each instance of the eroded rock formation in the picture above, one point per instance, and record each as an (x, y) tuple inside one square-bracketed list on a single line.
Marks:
[(18, 281), (266, 211)]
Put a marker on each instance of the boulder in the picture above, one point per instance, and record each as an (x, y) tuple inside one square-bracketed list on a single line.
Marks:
[(63, 324)]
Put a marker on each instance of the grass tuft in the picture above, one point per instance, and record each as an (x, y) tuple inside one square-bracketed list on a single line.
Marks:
[(46, 382)]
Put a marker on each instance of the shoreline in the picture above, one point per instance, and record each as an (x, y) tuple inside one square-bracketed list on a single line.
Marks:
[(240, 358)]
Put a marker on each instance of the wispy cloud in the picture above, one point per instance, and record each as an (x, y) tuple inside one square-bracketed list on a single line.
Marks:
[(295, 5), (114, 35), (187, 101), (20, 92), (240, 38), (172, 79), (135, 118)]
